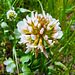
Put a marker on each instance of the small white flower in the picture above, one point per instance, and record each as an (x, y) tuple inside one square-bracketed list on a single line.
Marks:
[(33, 37), (11, 14), (46, 37), (42, 30)]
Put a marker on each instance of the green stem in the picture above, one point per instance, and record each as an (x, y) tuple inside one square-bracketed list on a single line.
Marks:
[(15, 55), (64, 14), (40, 4)]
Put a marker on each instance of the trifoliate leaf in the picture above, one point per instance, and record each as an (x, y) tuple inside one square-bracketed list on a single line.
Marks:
[(10, 67), (11, 37), (26, 70), (8, 61), (25, 58)]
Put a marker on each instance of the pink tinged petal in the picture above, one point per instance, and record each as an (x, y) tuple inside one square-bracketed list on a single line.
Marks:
[(46, 37), (28, 50), (42, 30)]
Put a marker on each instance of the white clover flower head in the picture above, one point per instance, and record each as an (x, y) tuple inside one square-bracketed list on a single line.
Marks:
[(11, 14), (37, 29)]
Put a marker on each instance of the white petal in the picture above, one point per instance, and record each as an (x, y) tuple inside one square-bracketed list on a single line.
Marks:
[(46, 37), (28, 19), (30, 29), (33, 37), (38, 25), (40, 47), (36, 22), (49, 41), (57, 28), (28, 50), (24, 38), (40, 15), (44, 14), (60, 34), (45, 54), (36, 14), (42, 30), (32, 14), (48, 28), (58, 24), (56, 21), (22, 26)]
